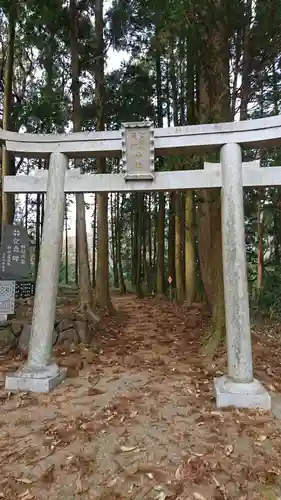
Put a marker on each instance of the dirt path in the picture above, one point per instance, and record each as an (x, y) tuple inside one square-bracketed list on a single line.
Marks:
[(136, 419)]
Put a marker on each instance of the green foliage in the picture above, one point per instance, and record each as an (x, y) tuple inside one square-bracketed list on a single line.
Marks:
[(268, 300), (129, 95), (71, 274)]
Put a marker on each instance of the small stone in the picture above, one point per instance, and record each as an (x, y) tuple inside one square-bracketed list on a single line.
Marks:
[(90, 356), (68, 337), (65, 324), (72, 373), (7, 337), (17, 326), (72, 363)]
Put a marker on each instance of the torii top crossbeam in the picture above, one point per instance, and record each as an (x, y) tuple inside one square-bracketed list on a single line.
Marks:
[(168, 141)]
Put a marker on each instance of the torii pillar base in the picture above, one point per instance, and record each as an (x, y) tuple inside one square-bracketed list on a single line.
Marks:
[(31, 380), (251, 395)]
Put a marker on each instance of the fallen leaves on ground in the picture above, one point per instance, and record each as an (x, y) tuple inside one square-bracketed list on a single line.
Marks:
[(137, 417)]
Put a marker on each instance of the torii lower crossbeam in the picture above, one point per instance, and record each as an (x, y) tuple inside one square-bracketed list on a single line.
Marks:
[(180, 180)]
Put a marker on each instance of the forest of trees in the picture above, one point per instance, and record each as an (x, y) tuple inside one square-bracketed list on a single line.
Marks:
[(189, 62)]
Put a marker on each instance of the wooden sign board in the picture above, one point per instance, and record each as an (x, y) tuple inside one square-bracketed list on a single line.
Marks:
[(138, 150)]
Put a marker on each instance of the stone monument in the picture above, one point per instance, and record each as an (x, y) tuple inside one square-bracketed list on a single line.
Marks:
[(14, 253), (15, 260), (7, 299)]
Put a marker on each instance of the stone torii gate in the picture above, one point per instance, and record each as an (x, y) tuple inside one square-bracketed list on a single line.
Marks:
[(137, 144)]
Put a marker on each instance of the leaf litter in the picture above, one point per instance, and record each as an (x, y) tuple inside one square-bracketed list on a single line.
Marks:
[(139, 421)]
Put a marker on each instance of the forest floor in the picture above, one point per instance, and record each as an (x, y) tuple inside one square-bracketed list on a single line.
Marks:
[(136, 417)]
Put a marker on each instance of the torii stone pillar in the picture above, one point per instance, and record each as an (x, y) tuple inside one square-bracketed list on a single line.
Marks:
[(39, 374), (238, 388)]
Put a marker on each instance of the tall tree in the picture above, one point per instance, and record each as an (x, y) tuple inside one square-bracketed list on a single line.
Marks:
[(214, 107), (102, 283), (160, 281), (190, 255), (85, 290), (7, 159)]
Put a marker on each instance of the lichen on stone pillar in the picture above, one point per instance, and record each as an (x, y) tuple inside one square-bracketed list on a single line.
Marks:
[(238, 388)]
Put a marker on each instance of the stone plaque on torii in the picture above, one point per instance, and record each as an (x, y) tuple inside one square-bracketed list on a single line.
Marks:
[(238, 388), (138, 150)]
